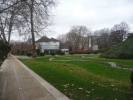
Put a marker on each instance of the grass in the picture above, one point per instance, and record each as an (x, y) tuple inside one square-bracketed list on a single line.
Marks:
[(83, 80), (123, 62), (95, 57)]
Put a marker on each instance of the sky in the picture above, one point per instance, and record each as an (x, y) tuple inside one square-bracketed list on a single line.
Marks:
[(94, 14)]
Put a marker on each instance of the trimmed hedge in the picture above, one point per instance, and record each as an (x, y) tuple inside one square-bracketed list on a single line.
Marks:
[(123, 50), (29, 54)]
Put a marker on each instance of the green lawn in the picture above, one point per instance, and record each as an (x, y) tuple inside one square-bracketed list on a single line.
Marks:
[(84, 80)]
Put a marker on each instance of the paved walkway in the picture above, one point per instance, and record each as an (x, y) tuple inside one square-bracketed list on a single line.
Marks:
[(20, 83)]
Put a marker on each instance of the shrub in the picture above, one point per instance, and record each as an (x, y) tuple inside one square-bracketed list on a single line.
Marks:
[(41, 54), (46, 52), (52, 53), (88, 52), (38, 51), (95, 52), (62, 53), (79, 52), (103, 50), (29, 54), (131, 77), (71, 53), (2, 55), (58, 52)]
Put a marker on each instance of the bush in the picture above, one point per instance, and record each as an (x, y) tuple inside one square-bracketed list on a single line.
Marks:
[(2, 55), (95, 52), (52, 53), (71, 53), (46, 52), (88, 52), (38, 51), (41, 54), (62, 53), (131, 77), (79, 52), (103, 50), (29, 54), (58, 52)]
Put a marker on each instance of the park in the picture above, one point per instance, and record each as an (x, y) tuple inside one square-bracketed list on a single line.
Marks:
[(80, 63)]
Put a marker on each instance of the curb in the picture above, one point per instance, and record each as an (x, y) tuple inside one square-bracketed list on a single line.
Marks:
[(54, 92)]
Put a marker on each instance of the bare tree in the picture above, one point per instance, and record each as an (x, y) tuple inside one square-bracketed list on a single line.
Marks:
[(103, 38), (62, 38), (35, 12), (84, 34), (119, 31), (10, 19), (73, 38), (39, 15), (4, 5)]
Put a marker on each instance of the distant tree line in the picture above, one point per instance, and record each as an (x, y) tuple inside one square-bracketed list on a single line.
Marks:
[(81, 36)]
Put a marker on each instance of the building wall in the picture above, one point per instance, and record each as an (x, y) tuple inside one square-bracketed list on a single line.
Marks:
[(48, 46)]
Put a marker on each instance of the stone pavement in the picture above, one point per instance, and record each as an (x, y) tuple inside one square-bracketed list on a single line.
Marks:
[(20, 83)]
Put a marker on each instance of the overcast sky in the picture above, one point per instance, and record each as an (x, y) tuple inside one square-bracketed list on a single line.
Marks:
[(94, 14)]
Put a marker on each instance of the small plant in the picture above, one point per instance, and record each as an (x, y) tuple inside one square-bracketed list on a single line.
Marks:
[(52, 53), (41, 54), (29, 54), (62, 53), (71, 53)]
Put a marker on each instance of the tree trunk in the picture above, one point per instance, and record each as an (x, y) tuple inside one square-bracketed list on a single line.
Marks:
[(10, 27), (32, 31)]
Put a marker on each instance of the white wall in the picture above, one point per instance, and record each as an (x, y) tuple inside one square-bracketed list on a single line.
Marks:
[(95, 47), (48, 45)]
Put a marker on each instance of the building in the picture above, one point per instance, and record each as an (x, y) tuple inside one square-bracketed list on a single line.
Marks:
[(93, 42), (48, 45)]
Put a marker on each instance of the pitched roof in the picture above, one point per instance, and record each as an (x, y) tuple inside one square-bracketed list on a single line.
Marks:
[(46, 39)]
